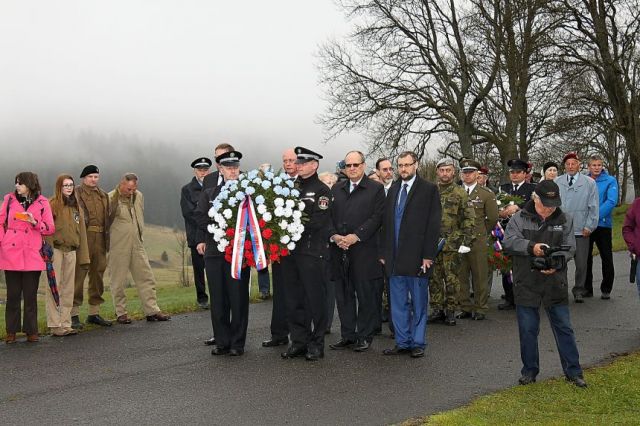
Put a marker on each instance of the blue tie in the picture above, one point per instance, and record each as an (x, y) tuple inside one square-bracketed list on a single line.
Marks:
[(402, 201)]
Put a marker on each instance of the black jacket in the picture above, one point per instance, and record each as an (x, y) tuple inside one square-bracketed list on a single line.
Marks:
[(317, 199), (525, 229), (210, 180), (360, 213), (189, 196), (524, 191), (202, 218), (419, 229)]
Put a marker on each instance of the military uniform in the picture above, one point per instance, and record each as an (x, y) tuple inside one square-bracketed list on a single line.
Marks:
[(456, 226), (475, 262), (94, 203)]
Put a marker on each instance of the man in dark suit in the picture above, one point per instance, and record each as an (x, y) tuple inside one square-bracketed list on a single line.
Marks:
[(189, 196), (356, 216), (215, 179), (518, 186), (409, 239)]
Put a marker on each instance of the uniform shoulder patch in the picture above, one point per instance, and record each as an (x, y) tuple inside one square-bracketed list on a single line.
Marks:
[(323, 202)]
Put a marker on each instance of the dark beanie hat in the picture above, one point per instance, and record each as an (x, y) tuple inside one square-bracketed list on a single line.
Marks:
[(549, 164), (90, 169)]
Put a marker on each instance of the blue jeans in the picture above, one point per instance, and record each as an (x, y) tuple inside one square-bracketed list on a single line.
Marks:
[(529, 328), (409, 315)]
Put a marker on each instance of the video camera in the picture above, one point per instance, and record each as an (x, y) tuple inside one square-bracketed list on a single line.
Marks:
[(553, 258)]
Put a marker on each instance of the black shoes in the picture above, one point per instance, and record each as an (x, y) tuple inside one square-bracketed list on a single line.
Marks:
[(464, 315), (75, 323), (578, 298), (526, 380), (219, 350), (477, 316), (587, 294), (98, 320), (342, 344), (450, 318), (605, 296), (506, 306), (577, 381), (417, 353), (314, 355), (236, 352), (396, 351), (293, 352), (203, 305), (210, 342), (265, 296), (273, 342), (362, 346), (436, 316)]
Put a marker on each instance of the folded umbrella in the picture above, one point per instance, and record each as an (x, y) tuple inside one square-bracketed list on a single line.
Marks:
[(47, 255), (632, 270)]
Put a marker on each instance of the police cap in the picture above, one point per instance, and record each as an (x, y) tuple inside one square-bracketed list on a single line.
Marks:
[(201, 163), (517, 164), (469, 165), (305, 155), (231, 158)]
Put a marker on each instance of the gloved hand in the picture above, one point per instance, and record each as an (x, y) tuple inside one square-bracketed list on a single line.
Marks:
[(463, 249)]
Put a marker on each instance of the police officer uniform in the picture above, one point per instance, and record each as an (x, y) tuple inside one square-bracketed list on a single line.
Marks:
[(475, 263), (304, 269)]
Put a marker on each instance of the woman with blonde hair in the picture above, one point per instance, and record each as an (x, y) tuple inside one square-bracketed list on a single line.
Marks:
[(69, 244), (25, 217)]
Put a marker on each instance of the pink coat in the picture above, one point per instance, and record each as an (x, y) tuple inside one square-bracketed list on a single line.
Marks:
[(20, 243), (631, 228)]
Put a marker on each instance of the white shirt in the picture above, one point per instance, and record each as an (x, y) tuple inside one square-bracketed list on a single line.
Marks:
[(469, 189), (352, 183)]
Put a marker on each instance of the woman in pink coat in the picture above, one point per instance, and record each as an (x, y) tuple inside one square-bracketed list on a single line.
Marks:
[(26, 217)]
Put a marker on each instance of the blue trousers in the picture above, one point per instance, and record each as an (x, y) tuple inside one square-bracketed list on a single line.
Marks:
[(529, 328), (409, 315)]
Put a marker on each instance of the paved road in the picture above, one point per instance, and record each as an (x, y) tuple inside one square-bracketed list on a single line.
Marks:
[(161, 373)]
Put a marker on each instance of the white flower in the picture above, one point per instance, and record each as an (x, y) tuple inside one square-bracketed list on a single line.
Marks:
[(277, 180), (297, 215), (223, 195), (286, 192), (266, 184), (244, 183), (295, 193), (240, 195), (233, 202), (267, 217), (268, 174), (285, 239), (279, 212), (278, 202), (277, 190), (260, 199), (498, 202), (262, 209), (212, 211), (296, 237), (283, 224), (289, 183), (288, 212), (227, 213), (222, 245), (257, 181), (512, 203), (301, 205), (216, 205), (252, 174), (289, 204), (291, 246), (250, 190), (212, 229), (292, 228)]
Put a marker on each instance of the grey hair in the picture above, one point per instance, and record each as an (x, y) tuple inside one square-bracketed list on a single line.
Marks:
[(595, 157), (129, 176), (362, 159)]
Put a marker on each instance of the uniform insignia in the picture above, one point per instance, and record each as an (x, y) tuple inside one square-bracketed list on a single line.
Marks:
[(232, 154), (309, 194), (323, 203)]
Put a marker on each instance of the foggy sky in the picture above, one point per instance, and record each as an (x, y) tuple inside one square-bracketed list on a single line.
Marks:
[(187, 72)]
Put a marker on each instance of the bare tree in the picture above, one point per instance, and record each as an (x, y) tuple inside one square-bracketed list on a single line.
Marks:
[(183, 251)]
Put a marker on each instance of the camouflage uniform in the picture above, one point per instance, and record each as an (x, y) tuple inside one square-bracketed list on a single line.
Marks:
[(457, 227)]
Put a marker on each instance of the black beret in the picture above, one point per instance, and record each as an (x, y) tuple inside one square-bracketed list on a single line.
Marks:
[(88, 170)]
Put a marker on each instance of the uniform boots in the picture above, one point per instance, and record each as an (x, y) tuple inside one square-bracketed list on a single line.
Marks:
[(450, 318)]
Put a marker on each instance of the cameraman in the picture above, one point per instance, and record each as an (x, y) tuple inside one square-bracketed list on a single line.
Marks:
[(540, 278)]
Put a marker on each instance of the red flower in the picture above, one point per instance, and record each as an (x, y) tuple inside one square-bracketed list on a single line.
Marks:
[(274, 257), (228, 250), (227, 257), (247, 244), (248, 254), (274, 248), (497, 254), (267, 233), (284, 252), (230, 232), (262, 223)]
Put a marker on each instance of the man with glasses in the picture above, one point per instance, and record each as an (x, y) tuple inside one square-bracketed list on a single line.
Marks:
[(409, 240), (356, 216), (517, 186), (215, 179), (384, 170)]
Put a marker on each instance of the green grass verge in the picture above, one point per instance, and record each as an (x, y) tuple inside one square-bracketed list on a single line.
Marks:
[(618, 220), (613, 397)]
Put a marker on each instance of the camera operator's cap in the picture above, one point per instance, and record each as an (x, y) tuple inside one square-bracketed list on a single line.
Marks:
[(201, 163), (569, 156), (469, 165), (483, 170), (517, 164), (445, 162), (341, 165), (305, 155), (549, 193), (89, 170), (231, 158)]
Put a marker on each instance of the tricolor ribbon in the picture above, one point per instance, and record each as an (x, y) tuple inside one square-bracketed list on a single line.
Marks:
[(247, 218)]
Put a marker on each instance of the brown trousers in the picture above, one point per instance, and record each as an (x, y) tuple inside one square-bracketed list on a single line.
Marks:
[(95, 289), (22, 285)]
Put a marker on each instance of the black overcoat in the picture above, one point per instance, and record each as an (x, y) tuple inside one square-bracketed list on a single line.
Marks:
[(189, 196)]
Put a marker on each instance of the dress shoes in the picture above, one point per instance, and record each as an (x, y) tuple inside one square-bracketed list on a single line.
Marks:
[(605, 296), (71, 331), (436, 316), (10, 339), (210, 342), (32, 338), (450, 318), (203, 305), (477, 316), (362, 346), (159, 316), (236, 352), (59, 332), (273, 342), (342, 344), (464, 315), (314, 355), (219, 350), (506, 306), (417, 353), (75, 322), (577, 381), (123, 319), (578, 298), (526, 379), (587, 294), (293, 352), (396, 351), (98, 320)]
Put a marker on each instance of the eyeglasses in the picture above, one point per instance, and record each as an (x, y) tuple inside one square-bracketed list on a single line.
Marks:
[(387, 169), (68, 185), (352, 165), (406, 166)]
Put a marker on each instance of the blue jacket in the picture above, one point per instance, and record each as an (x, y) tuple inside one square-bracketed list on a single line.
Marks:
[(608, 194)]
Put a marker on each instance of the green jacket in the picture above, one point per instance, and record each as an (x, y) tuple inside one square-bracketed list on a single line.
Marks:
[(458, 217)]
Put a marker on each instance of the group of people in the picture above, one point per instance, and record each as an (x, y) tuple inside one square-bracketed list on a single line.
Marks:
[(87, 230)]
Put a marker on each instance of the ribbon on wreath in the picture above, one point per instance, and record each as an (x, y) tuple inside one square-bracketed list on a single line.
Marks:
[(247, 219), (498, 234)]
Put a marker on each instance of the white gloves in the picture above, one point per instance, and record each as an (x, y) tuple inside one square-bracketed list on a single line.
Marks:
[(463, 249)]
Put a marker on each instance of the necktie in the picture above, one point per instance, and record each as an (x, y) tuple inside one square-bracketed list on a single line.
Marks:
[(468, 191), (570, 180), (515, 188), (353, 186), (402, 200)]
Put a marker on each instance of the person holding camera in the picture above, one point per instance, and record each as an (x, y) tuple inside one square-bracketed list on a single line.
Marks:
[(540, 240)]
